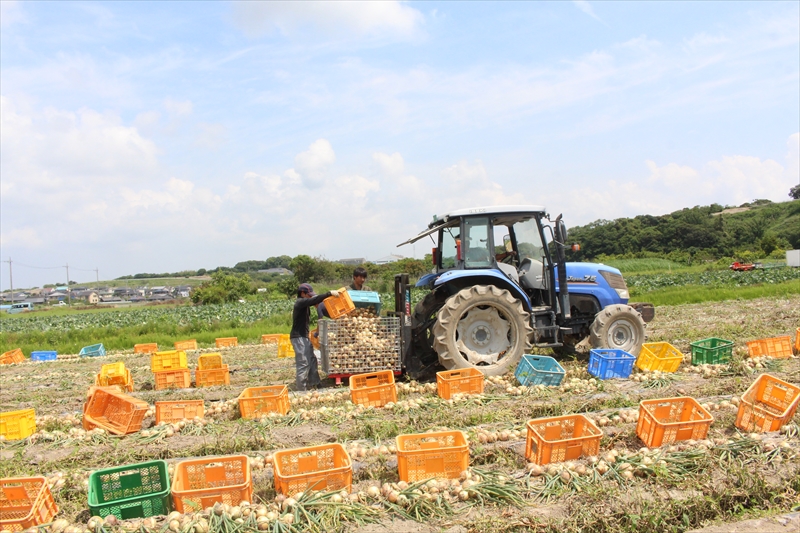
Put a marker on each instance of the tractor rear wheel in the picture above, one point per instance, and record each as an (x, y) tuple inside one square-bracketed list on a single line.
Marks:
[(618, 327), (482, 327)]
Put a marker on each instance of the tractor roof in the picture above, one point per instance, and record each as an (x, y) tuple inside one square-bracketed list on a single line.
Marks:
[(450, 219)]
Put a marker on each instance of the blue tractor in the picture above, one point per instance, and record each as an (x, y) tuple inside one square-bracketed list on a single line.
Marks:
[(501, 285)]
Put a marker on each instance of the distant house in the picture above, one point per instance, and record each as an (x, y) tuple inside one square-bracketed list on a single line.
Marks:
[(56, 296), (391, 258), (160, 297), (36, 300), (110, 299), (93, 298), (352, 261)]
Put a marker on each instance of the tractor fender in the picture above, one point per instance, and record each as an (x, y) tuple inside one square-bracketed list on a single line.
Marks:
[(483, 276), (427, 280)]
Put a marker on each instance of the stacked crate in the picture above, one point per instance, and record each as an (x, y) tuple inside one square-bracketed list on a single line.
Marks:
[(170, 370), (210, 371)]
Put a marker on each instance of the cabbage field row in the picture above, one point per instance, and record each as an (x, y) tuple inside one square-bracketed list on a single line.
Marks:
[(714, 278)]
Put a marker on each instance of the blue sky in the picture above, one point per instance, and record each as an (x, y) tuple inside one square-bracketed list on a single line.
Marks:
[(159, 136)]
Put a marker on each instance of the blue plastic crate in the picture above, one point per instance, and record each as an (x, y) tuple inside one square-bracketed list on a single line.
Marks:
[(93, 350), (366, 299), (539, 370), (609, 364), (44, 355)]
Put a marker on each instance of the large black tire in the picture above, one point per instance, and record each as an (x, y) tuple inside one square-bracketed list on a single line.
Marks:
[(423, 355), (482, 327), (618, 327)]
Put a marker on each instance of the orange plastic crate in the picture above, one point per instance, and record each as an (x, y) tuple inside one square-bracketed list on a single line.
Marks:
[(775, 347), (561, 438), (285, 348), (150, 347), (226, 342), (12, 356), (186, 345), (443, 455), (373, 389), (17, 425), (797, 341), (212, 377), (173, 379), (113, 411), (313, 336), (168, 360), (767, 404), (175, 411), (668, 420), (272, 337), (661, 356), (25, 502), (200, 483), (325, 467), (339, 306), (462, 381), (209, 361), (257, 401)]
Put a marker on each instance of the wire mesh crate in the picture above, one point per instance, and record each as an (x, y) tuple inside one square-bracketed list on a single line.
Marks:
[(325, 467), (659, 356), (373, 389), (12, 356), (200, 483), (668, 420), (130, 491), (539, 370), (775, 347), (767, 404), (353, 344), (561, 438), (177, 410), (711, 351), (461, 381), (113, 411), (258, 401), (17, 425), (442, 454), (25, 502), (610, 364)]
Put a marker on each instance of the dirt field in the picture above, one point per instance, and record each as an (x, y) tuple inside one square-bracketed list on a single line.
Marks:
[(725, 478)]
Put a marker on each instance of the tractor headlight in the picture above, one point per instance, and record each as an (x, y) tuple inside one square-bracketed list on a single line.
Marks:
[(623, 293), (616, 282)]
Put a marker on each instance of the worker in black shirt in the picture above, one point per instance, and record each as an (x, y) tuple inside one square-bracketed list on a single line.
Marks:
[(304, 359)]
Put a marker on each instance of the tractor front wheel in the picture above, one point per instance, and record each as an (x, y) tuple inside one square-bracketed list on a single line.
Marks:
[(482, 327), (618, 327)]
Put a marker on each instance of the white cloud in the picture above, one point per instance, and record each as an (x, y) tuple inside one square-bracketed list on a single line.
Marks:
[(392, 165), (210, 136), (178, 108), (10, 13), (313, 164), (339, 18), (586, 7)]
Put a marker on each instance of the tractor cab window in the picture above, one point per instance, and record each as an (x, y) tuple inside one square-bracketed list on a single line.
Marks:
[(532, 254), (477, 248), (448, 248)]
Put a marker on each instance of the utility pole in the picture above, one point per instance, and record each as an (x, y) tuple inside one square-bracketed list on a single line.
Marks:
[(69, 295), (10, 279), (97, 273)]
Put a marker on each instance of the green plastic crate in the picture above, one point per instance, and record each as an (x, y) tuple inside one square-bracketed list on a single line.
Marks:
[(712, 351), (131, 491)]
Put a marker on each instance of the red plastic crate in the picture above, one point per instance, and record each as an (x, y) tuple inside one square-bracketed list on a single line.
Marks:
[(257, 401), (443, 454), (767, 404), (775, 347), (325, 467), (561, 438), (209, 361), (25, 502), (212, 377), (461, 381), (175, 411), (113, 411), (150, 347), (200, 483), (12, 356), (186, 345), (226, 342), (668, 420), (373, 389), (173, 379)]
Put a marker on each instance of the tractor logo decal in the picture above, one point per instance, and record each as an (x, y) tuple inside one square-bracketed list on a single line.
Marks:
[(588, 278)]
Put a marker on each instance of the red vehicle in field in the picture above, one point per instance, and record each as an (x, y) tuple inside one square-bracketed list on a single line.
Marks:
[(742, 267)]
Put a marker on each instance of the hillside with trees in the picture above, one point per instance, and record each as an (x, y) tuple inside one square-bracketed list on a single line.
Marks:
[(761, 229)]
